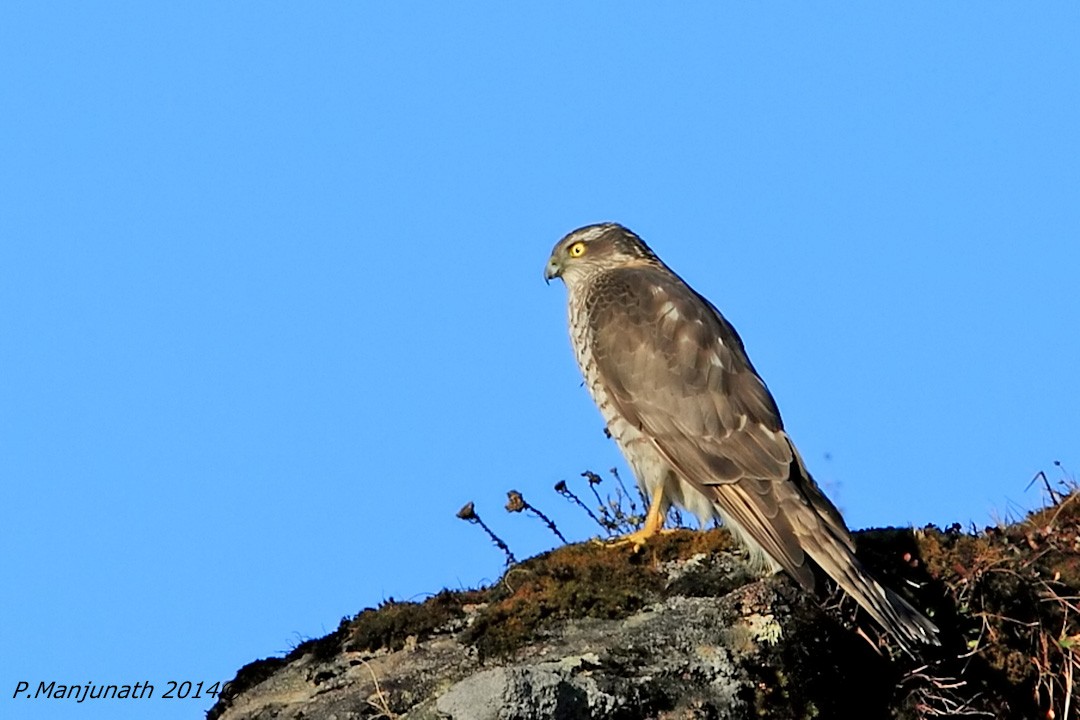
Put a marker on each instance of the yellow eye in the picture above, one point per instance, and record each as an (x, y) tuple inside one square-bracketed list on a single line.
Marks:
[(576, 250)]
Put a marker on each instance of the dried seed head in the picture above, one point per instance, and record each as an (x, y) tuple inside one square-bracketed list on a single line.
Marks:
[(516, 501), (592, 477), (467, 512)]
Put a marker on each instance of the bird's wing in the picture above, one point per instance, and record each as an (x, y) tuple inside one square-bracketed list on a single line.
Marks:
[(677, 370)]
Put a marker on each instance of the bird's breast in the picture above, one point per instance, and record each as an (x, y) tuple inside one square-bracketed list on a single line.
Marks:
[(620, 430)]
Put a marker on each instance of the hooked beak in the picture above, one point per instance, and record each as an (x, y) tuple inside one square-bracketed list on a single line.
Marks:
[(553, 270)]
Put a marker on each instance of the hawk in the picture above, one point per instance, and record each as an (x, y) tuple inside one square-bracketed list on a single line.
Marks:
[(697, 424)]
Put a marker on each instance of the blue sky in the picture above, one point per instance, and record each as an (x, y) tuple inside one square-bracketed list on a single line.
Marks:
[(272, 308)]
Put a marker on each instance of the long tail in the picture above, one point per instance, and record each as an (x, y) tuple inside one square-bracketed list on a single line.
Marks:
[(829, 544), (909, 626), (786, 520)]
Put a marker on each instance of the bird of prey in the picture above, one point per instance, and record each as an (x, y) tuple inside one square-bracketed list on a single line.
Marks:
[(697, 424)]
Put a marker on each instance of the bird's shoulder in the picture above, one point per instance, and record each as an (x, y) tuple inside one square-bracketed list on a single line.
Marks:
[(652, 303), (642, 290), (656, 341)]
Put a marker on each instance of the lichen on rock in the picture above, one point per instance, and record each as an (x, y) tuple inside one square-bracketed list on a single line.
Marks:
[(682, 630)]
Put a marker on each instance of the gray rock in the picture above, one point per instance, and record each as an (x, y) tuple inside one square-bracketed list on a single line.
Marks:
[(763, 648)]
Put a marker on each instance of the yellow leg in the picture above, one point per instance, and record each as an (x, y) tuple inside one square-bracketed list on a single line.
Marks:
[(654, 523)]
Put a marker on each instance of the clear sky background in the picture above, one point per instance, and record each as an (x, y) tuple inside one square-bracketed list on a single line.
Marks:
[(272, 308)]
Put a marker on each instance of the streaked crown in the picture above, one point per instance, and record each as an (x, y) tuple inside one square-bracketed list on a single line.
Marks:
[(609, 239), (595, 248)]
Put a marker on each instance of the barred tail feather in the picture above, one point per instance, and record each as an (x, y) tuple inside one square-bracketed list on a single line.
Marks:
[(908, 626)]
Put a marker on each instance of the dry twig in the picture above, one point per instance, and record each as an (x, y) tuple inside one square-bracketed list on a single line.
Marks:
[(468, 513)]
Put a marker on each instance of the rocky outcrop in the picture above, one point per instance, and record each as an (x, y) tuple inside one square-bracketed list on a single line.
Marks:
[(680, 630)]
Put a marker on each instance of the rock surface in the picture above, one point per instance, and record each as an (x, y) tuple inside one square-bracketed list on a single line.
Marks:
[(681, 631)]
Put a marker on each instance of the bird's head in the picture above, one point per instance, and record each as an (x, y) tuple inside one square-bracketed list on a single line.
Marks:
[(595, 248)]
